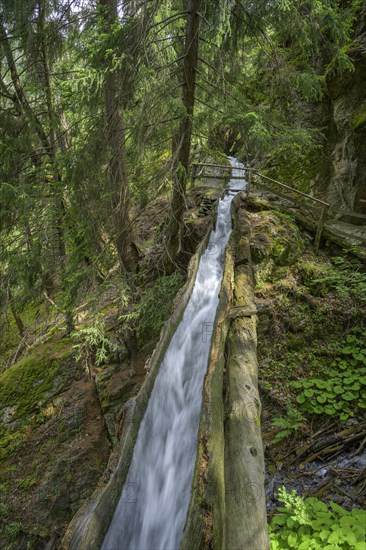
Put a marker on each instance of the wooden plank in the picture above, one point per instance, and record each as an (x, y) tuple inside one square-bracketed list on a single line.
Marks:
[(242, 311), (210, 165), (320, 229), (250, 177), (313, 209)]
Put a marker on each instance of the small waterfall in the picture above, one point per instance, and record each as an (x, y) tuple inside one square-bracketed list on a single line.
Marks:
[(152, 510)]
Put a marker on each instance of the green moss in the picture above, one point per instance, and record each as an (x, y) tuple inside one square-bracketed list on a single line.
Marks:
[(310, 270), (279, 246), (24, 384), (359, 118), (22, 392), (34, 311)]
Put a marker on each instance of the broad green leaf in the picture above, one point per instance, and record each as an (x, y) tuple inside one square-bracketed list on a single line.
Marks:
[(321, 399)]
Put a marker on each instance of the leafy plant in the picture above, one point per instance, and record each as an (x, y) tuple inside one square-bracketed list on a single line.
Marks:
[(150, 313), (344, 277), (12, 530), (91, 344), (26, 483), (345, 384), (308, 524), (288, 424)]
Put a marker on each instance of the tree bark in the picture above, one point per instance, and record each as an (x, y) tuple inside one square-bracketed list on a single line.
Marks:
[(117, 170), (16, 315), (182, 140), (19, 92)]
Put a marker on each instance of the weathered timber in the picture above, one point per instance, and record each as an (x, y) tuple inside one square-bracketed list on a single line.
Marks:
[(227, 508), (325, 445), (245, 519), (314, 211), (320, 228), (214, 177), (212, 165), (242, 311)]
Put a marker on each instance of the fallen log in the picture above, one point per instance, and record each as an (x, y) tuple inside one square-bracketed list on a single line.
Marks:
[(330, 443)]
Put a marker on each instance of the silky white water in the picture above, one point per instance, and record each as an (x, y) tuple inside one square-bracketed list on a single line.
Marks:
[(152, 510)]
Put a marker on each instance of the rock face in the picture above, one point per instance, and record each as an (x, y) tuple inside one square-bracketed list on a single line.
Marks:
[(344, 115)]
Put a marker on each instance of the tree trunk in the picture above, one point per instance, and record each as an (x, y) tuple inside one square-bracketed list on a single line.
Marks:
[(16, 315), (117, 170), (20, 97), (46, 138), (182, 140)]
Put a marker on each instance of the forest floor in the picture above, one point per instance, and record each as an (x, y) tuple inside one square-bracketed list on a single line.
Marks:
[(312, 361)]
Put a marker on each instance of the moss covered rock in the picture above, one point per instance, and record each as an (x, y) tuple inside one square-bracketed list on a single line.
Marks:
[(275, 243), (53, 444)]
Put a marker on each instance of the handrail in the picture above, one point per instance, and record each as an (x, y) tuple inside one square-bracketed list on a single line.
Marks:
[(288, 187), (251, 171), (211, 165), (255, 171)]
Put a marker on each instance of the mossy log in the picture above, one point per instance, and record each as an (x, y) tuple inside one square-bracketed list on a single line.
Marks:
[(245, 523)]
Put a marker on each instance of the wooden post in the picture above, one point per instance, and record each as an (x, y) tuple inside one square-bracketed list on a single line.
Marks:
[(319, 231), (250, 177)]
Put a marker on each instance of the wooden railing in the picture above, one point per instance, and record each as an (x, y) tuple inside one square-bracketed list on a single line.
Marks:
[(249, 172)]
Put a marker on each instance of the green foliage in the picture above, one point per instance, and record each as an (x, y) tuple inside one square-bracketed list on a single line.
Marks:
[(12, 530), (91, 344), (4, 510), (309, 85), (288, 424), (151, 312), (341, 63), (26, 483), (308, 524), (359, 119), (158, 301), (345, 277), (22, 392), (344, 388)]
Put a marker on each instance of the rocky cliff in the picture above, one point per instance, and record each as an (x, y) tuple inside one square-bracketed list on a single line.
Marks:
[(342, 117)]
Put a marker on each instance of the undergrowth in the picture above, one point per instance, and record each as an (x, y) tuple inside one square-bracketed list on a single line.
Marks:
[(339, 393), (342, 392), (309, 524), (153, 309)]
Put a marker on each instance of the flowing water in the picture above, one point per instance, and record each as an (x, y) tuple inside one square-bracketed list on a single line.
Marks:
[(152, 510)]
